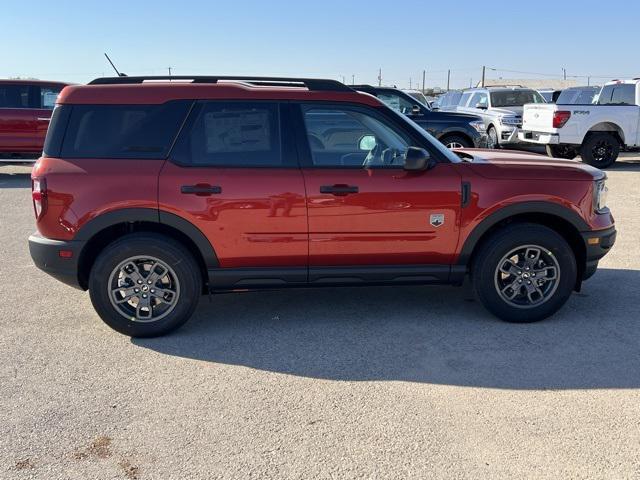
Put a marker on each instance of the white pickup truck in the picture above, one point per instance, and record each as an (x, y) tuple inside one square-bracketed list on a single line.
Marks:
[(595, 131)]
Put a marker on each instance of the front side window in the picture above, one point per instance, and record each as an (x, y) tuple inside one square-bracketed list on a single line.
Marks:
[(123, 131), (14, 96), (48, 97), (515, 98), (618, 94), (396, 102), (231, 134), (352, 137)]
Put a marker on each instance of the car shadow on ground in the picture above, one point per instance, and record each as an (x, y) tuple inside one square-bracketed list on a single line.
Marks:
[(436, 335), (15, 180)]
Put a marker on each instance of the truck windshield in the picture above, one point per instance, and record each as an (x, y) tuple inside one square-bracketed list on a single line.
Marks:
[(515, 98)]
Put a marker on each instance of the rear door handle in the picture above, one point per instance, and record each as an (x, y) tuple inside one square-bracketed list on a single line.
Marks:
[(339, 190), (201, 189)]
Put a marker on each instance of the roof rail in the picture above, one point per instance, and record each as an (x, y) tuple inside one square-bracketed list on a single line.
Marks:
[(309, 83)]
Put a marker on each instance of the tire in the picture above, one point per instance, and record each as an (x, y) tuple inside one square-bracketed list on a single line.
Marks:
[(456, 141), (488, 279), (561, 151), (113, 278), (492, 138), (600, 149)]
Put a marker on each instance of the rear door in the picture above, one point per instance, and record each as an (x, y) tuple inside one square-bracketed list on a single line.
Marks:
[(233, 173), (364, 208)]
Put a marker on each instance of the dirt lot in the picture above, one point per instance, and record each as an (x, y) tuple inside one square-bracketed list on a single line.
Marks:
[(337, 383)]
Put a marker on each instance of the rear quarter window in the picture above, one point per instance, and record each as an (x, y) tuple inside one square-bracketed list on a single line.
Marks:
[(121, 131), (618, 94)]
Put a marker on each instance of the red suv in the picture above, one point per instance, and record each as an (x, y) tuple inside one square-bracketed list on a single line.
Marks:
[(152, 192), (25, 110)]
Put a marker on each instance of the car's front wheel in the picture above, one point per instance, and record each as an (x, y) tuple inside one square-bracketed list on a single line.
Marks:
[(456, 141), (492, 138), (145, 285), (524, 272)]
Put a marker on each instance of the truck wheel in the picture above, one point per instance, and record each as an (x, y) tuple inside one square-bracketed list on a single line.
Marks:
[(145, 285), (524, 273), (600, 150), (456, 141), (561, 151), (492, 138)]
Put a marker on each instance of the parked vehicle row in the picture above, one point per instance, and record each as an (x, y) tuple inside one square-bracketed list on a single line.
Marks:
[(219, 183), (25, 111), (595, 131), (454, 130)]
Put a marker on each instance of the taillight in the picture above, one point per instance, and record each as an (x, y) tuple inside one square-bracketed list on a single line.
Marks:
[(39, 195), (560, 118)]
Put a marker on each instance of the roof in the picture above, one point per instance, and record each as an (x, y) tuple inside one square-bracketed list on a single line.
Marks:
[(155, 90), (24, 81)]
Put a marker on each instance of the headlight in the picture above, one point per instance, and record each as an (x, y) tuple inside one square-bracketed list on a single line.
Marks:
[(478, 125), (515, 121), (600, 192)]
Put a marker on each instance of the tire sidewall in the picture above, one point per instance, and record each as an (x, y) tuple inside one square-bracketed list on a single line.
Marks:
[(170, 252), (492, 134), (505, 241)]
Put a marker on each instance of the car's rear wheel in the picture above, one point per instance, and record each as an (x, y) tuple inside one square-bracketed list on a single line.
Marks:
[(456, 141), (524, 272), (145, 285), (561, 151), (600, 149)]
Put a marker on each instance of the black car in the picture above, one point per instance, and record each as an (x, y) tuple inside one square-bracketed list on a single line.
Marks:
[(455, 130)]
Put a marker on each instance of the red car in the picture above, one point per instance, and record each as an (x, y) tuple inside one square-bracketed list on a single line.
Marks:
[(25, 111), (151, 193)]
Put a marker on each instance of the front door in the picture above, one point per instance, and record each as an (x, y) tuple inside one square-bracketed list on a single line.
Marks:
[(364, 208), (233, 173)]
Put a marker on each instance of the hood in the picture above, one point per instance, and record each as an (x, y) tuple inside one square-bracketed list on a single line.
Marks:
[(512, 164), (508, 111), (453, 116)]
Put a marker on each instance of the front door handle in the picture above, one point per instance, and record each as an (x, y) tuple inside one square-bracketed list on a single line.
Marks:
[(339, 190), (201, 189)]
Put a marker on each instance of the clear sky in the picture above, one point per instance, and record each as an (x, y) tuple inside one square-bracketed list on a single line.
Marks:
[(65, 40)]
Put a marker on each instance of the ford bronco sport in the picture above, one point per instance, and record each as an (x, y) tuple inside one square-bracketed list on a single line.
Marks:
[(153, 192)]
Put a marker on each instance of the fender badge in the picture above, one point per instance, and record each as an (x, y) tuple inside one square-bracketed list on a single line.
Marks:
[(436, 219)]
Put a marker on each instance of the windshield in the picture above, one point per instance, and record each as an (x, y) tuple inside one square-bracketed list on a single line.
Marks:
[(452, 157), (515, 98)]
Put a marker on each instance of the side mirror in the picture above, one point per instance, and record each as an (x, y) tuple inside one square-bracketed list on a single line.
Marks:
[(415, 110), (367, 143), (417, 159), (481, 106)]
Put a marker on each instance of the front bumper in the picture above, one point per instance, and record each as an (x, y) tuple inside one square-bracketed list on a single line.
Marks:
[(540, 138), (598, 243), (46, 254), (508, 134), (481, 141)]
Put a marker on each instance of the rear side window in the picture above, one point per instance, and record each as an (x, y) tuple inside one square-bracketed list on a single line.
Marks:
[(231, 134), (48, 97), (123, 131), (15, 96), (618, 94)]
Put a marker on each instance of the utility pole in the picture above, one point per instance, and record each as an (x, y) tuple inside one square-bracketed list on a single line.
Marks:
[(169, 70), (410, 86), (564, 73), (353, 79), (483, 72), (471, 83), (424, 74), (380, 77), (588, 81), (448, 78)]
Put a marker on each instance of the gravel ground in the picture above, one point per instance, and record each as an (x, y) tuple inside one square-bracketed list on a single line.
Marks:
[(404, 382)]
